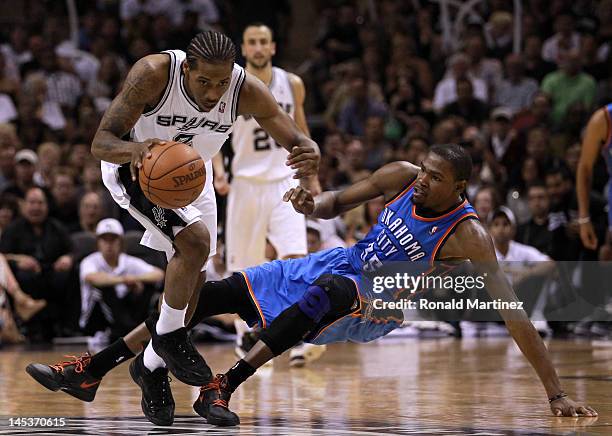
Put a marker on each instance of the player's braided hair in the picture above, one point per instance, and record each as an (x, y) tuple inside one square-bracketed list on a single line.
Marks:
[(210, 46)]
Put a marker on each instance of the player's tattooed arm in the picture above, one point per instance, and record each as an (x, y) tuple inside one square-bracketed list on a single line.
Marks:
[(386, 181), (472, 241), (142, 88), (256, 100)]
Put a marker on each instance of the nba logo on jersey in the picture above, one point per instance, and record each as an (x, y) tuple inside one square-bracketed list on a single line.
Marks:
[(433, 230), (222, 107)]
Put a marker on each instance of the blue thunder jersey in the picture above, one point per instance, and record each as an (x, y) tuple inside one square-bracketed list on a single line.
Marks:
[(400, 234), (607, 154)]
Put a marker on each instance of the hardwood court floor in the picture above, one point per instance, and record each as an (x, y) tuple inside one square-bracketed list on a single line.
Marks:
[(407, 386)]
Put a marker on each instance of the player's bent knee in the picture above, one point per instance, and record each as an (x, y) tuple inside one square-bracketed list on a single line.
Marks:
[(341, 291), (315, 303), (193, 242)]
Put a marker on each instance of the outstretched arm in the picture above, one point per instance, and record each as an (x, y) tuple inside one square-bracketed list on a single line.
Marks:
[(256, 100), (386, 181), (594, 138), (477, 246)]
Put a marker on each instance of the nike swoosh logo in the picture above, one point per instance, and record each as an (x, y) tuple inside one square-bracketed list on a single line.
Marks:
[(85, 385)]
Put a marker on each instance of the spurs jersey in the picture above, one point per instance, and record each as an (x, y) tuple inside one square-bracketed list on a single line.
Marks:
[(177, 117), (256, 155)]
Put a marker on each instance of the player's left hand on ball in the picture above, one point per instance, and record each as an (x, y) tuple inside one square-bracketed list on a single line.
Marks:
[(301, 199), (567, 407), (304, 159)]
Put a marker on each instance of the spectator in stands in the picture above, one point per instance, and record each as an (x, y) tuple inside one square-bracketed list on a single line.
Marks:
[(489, 70), (38, 248), (472, 110), (413, 149), (498, 33), (517, 198), (536, 115), (486, 201), (49, 158), (9, 142), (113, 293), (378, 150), (516, 91), (446, 91), (503, 143), (535, 232), (358, 108), (535, 66), (9, 210), (568, 85), (63, 87), (64, 194), (90, 212), (563, 42), (26, 162)]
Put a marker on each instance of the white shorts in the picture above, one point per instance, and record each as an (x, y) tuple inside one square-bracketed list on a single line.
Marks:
[(162, 225), (256, 212)]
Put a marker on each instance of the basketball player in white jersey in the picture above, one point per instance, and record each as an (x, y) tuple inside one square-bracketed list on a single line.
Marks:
[(255, 210), (192, 97)]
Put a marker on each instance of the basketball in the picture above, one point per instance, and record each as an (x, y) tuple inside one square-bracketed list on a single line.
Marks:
[(173, 176)]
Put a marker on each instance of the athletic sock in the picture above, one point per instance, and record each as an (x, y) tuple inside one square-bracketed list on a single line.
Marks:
[(151, 360), (170, 319), (238, 374), (113, 355)]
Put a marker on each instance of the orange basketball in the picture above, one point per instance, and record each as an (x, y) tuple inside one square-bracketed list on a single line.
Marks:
[(173, 176)]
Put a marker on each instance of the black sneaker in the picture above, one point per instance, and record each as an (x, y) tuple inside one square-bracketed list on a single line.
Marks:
[(180, 355), (70, 376), (212, 403), (157, 402)]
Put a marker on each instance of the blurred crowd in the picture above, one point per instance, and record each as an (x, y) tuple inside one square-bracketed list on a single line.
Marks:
[(383, 83)]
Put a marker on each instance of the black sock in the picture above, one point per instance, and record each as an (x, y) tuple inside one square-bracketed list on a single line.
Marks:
[(238, 374), (113, 355)]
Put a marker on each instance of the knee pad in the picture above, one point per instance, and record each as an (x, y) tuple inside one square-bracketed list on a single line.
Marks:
[(315, 303)]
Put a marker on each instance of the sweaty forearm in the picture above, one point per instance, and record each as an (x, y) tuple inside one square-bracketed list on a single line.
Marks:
[(108, 147)]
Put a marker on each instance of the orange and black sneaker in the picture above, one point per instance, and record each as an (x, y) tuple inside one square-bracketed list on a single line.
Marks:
[(69, 376), (212, 403)]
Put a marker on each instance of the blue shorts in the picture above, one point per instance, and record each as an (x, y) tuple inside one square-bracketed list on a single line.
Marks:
[(276, 285)]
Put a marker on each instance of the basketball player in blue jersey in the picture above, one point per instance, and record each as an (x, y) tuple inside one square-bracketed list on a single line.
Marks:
[(597, 139), (192, 97), (318, 298)]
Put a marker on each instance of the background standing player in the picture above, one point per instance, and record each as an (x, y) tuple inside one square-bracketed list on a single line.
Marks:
[(256, 213)]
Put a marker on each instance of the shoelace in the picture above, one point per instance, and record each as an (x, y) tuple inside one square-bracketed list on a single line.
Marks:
[(80, 363), (160, 391), (188, 350), (215, 385)]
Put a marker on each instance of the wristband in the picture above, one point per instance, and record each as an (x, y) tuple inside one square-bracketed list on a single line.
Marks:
[(584, 220), (557, 397)]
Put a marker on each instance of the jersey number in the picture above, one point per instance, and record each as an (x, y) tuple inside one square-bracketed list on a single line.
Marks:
[(263, 140)]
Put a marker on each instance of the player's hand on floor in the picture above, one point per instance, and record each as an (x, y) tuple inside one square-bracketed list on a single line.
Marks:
[(301, 199), (141, 151), (567, 407), (304, 159)]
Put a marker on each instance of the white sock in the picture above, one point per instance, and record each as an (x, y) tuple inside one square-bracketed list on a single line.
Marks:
[(170, 319), (151, 360)]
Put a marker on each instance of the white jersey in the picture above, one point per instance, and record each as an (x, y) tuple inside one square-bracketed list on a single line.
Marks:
[(177, 117), (256, 155)]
